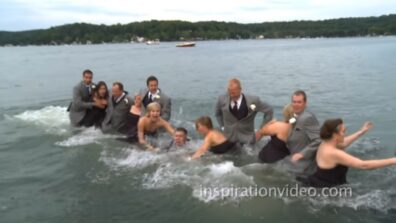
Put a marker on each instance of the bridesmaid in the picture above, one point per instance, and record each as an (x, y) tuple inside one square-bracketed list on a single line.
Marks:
[(332, 159)]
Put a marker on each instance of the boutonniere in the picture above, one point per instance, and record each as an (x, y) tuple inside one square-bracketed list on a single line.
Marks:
[(253, 107), (293, 119), (157, 96), (93, 87), (126, 100)]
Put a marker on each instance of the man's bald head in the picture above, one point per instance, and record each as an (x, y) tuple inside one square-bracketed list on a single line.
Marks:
[(234, 89)]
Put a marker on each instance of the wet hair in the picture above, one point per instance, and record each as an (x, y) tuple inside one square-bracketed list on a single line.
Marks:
[(288, 112), (301, 92), (87, 71), (119, 85), (181, 129), (151, 78), (152, 106), (330, 127), (97, 87), (205, 121)]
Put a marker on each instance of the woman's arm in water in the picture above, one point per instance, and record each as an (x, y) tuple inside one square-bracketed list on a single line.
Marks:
[(202, 150), (168, 127), (346, 159), (351, 138)]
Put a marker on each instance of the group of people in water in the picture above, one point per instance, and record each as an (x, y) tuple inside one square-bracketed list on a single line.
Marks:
[(318, 153)]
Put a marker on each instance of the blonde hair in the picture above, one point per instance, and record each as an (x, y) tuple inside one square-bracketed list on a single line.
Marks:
[(151, 107), (288, 112), (235, 81)]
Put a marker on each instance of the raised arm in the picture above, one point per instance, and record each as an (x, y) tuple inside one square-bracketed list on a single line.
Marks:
[(202, 150), (346, 159), (351, 138)]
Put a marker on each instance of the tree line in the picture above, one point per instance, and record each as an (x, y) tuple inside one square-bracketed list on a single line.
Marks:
[(83, 33)]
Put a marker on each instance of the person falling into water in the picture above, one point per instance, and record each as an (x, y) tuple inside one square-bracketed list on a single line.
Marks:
[(214, 140), (150, 124), (333, 160)]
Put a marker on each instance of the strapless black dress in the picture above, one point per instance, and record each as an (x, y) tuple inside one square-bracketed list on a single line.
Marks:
[(130, 127), (274, 150), (327, 177), (226, 146)]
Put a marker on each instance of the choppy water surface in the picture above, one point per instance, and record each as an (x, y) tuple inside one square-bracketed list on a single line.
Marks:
[(50, 172)]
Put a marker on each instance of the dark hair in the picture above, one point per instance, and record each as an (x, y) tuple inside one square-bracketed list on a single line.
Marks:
[(119, 84), (205, 121), (330, 127), (301, 92), (97, 87), (151, 78), (181, 129), (87, 71)]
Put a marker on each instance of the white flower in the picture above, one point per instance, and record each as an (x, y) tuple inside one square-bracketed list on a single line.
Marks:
[(292, 120), (93, 86), (157, 96), (126, 100), (253, 107)]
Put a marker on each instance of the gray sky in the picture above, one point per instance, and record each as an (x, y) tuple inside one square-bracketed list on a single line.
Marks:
[(33, 14)]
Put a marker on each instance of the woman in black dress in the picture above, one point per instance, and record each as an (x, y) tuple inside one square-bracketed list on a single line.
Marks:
[(332, 159), (276, 148), (214, 140), (96, 115)]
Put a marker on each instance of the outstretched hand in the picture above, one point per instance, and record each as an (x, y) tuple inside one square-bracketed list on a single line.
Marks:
[(367, 126)]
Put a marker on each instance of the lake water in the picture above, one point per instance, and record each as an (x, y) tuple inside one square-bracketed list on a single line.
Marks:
[(50, 172)]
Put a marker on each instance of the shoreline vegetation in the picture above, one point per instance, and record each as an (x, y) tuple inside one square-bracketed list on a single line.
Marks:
[(141, 32)]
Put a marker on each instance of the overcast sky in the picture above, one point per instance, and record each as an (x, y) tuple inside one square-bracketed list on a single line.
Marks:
[(33, 14)]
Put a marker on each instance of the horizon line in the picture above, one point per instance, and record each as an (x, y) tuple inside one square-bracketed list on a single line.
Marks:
[(170, 20)]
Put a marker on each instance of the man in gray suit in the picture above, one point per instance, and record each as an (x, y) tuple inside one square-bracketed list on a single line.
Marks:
[(153, 94), (82, 103), (117, 111), (304, 139), (235, 113)]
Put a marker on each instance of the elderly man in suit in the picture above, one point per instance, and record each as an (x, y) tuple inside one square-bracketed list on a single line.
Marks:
[(153, 94), (79, 109), (304, 139), (117, 111), (235, 113)]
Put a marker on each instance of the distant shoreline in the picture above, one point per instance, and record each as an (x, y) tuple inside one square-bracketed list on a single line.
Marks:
[(178, 31), (198, 41)]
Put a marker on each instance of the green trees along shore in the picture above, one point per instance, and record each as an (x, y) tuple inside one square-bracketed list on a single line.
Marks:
[(83, 33)]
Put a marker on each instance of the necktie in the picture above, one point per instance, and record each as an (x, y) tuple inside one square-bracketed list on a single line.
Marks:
[(151, 98), (88, 90), (235, 107)]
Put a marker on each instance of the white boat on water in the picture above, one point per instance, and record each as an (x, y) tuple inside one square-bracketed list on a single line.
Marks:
[(186, 44), (153, 42)]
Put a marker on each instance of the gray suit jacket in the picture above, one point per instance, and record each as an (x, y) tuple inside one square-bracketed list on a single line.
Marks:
[(117, 115), (241, 130), (304, 138), (80, 104), (164, 101)]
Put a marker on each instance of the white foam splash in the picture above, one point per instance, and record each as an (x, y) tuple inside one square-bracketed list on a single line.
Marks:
[(53, 118), (376, 199), (87, 136)]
